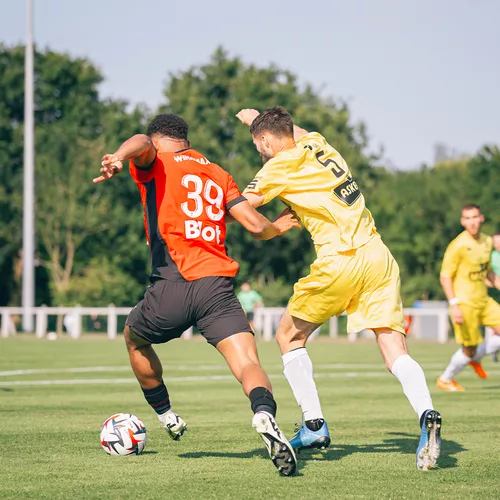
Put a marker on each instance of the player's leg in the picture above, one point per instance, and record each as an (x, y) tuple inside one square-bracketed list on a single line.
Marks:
[(469, 337), (490, 317), (378, 307), (145, 326), (149, 372), (143, 360), (222, 322), (240, 352), (392, 346), (291, 336), (458, 362), (324, 293)]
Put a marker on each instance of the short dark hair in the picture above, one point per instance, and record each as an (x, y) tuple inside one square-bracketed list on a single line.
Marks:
[(277, 121), (168, 125), (471, 206)]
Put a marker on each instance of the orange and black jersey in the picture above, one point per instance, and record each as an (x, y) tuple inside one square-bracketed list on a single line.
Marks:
[(185, 199)]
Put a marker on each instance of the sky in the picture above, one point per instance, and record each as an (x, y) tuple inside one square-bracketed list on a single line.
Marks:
[(417, 72)]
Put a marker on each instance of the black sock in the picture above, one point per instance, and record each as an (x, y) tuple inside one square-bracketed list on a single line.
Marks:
[(315, 425), (158, 398), (262, 400)]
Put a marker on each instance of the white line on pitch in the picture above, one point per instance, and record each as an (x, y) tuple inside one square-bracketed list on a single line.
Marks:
[(91, 369), (207, 378), (173, 379), (97, 369)]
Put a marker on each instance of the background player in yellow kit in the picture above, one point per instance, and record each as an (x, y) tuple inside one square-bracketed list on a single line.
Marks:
[(354, 271), (465, 269)]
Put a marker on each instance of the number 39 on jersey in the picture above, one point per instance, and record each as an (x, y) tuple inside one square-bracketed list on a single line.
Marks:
[(205, 198)]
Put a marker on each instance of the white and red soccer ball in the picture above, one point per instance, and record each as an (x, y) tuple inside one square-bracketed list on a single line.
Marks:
[(123, 434)]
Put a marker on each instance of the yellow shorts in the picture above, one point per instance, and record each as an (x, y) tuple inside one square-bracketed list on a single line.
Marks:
[(469, 333), (364, 282)]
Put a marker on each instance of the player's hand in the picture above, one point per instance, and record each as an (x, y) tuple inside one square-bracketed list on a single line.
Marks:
[(286, 221), (110, 166), (247, 116), (456, 315)]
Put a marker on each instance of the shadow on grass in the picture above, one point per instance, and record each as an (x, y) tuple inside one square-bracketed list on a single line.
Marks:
[(397, 442), (6, 389), (260, 453), (490, 388), (149, 452)]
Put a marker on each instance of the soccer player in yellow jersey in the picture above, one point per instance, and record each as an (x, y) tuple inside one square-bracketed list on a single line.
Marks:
[(353, 272), (466, 267)]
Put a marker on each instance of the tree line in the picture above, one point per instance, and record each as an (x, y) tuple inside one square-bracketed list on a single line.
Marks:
[(90, 243)]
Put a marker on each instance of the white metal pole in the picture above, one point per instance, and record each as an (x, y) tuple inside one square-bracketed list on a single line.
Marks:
[(28, 296)]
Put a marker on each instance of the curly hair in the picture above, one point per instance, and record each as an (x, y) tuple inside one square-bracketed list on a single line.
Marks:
[(168, 125)]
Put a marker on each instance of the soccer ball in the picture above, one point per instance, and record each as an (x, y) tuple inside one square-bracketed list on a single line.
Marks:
[(123, 434)]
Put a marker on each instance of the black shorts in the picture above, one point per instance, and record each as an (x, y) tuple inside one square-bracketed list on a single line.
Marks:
[(169, 308)]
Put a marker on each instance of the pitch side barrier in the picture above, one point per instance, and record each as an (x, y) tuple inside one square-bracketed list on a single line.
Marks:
[(425, 324)]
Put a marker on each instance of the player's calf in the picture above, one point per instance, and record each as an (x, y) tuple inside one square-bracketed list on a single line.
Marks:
[(148, 370)]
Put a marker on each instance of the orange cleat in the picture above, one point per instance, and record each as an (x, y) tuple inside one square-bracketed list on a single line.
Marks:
[(478, 368), (452, 386)]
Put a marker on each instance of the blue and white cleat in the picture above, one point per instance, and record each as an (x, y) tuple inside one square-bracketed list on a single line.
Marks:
[(429, 446), (306, 438)]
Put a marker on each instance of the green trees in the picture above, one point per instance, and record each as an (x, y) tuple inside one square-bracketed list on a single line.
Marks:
[(209, 97), (418, 214), (90, 241), (72, 128)]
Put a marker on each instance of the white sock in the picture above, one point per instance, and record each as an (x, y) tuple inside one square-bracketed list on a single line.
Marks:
[(298, 371), (457, 363), (412, 378), (492, 344), (480, 352)]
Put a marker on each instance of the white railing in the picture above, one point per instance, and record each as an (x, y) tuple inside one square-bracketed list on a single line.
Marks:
[(267, 318), (266, 321)]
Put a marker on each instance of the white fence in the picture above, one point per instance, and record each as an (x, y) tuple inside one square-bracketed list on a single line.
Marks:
[(266, 321)]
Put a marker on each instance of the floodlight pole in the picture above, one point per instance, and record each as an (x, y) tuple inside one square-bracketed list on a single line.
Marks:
[(28, 280)]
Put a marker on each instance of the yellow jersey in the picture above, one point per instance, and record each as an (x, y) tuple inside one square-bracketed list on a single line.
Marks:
[(467, 261), (315, 182)]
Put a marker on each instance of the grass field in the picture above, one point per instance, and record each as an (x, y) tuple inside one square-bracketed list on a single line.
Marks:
[(54, 397)]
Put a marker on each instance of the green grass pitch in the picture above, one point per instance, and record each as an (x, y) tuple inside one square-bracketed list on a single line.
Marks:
[(49, 433)]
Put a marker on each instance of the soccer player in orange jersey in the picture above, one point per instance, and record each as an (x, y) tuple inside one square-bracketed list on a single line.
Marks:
[(186, 198)]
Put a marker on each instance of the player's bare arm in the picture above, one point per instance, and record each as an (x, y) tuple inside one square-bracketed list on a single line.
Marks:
[(259, 226), (247, 116), (140, 148), (449, 291)]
